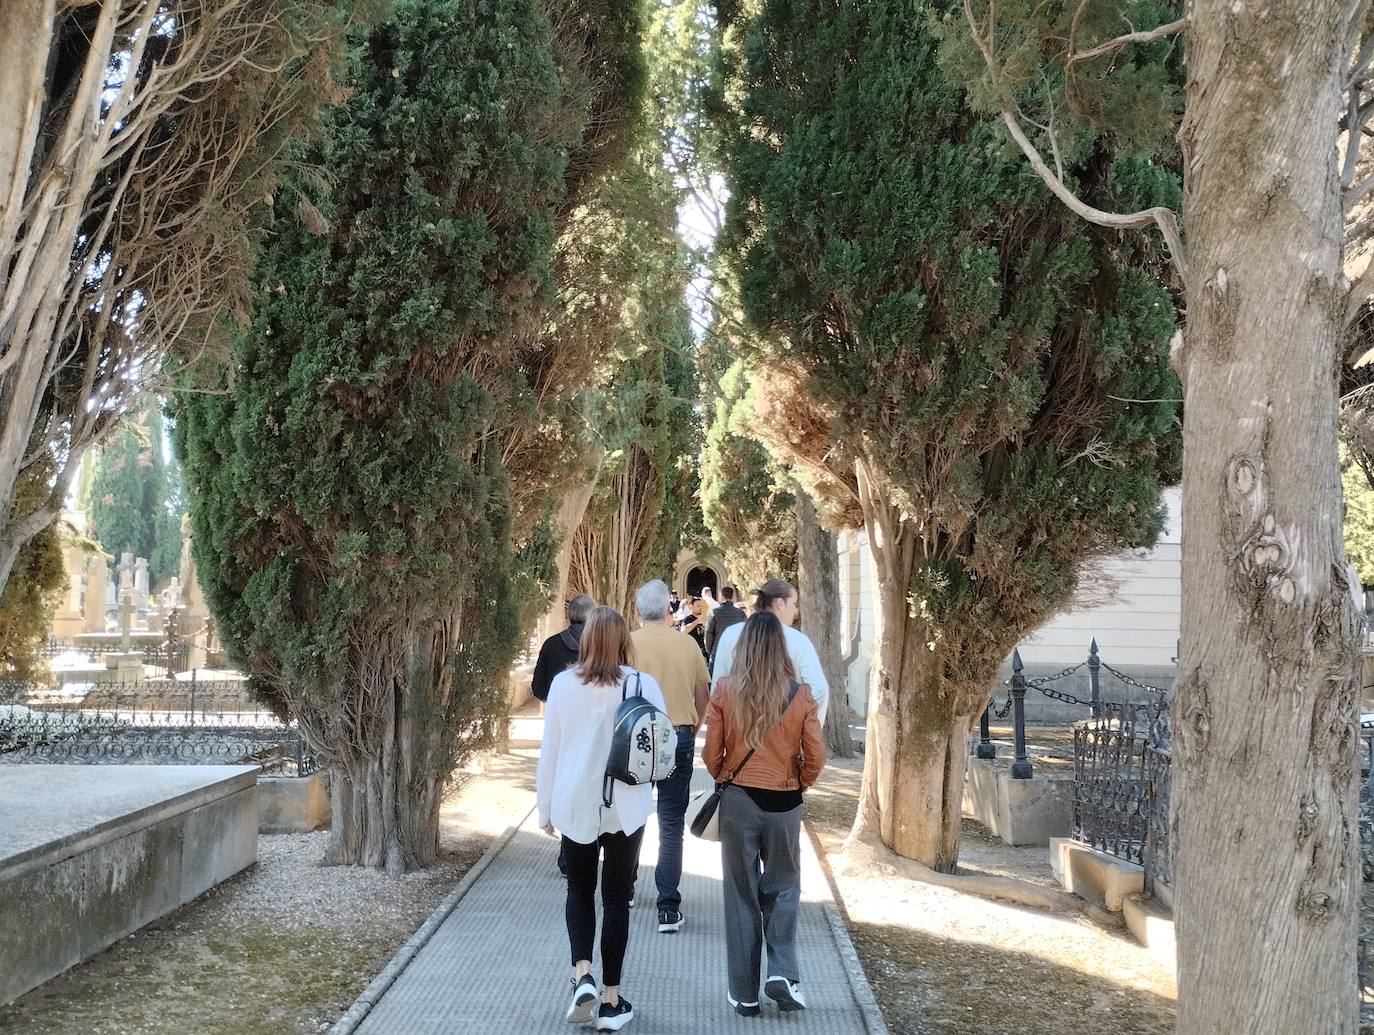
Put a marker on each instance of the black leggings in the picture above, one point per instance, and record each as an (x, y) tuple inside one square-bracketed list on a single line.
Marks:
[(621, 858)]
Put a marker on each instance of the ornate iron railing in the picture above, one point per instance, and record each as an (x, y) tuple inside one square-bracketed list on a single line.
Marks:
[(1121, 785), (173, 657), (160, 721)]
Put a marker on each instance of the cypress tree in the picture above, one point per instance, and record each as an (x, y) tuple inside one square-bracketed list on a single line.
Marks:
[(352, 503), (135, 499), (946, 351)]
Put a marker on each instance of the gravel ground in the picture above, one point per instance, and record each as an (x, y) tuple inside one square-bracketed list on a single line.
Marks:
[(284, 947), (943, 962)]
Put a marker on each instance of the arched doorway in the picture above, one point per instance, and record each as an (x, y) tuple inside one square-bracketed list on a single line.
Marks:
[(700, 578)]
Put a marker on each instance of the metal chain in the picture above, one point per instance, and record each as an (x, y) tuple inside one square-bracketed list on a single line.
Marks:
[(1058, 675), (1134, 682)]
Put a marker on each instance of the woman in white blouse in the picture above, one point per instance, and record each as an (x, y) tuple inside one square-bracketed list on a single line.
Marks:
[(572, 765)]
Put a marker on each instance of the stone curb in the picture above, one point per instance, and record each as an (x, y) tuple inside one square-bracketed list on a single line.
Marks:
[(362, 1006), (874, 1024)]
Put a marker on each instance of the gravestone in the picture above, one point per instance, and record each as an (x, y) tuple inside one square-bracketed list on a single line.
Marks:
[(127, 663), (93, 604), (141, 580)]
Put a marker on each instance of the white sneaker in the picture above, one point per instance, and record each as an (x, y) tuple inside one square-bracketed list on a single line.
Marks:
[(787, 994), (582, 1006)]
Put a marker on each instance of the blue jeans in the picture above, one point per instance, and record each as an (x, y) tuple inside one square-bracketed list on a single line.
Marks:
[(672, 807)]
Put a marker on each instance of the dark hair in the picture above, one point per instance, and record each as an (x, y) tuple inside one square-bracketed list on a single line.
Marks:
[(605, 646), (579, 607), (771, 591), (727, 593)]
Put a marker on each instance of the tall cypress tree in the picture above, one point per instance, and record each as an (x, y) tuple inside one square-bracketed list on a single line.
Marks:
[(135, 497), (947, 352), (352, 505)]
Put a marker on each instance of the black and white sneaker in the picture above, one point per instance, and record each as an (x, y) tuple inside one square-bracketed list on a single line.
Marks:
[(613, 1018), (582, 1007), (669, 921), (743, 1009), (787, 994)]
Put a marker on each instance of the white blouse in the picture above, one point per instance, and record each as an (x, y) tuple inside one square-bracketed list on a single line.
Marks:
[(578, 723)]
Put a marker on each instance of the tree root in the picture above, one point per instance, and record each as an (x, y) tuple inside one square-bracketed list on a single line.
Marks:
[(868, 855)]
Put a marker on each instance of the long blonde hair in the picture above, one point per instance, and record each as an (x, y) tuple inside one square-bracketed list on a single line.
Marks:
[(605, 646), (762, 673)]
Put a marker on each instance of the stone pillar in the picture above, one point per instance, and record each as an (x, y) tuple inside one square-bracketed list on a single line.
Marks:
[(94, 600)]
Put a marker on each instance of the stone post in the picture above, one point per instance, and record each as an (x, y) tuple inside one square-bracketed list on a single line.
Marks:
[(94, 601)]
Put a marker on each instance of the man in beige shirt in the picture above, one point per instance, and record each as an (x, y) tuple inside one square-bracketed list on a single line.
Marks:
[(674, 660)]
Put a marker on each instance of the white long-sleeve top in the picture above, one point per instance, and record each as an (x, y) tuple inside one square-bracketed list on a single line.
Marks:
[(578, 724)]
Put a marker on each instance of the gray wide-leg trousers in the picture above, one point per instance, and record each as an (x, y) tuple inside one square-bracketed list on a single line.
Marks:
[(761, 859)]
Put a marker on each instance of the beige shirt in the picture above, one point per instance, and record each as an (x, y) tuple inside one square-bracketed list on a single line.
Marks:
[(674, 660)]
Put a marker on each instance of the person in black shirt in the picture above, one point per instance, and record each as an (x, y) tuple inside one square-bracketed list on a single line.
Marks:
[(727, 614), (559, 651)]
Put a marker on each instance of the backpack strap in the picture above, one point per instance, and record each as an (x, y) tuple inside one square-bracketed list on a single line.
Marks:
[(626, 685)]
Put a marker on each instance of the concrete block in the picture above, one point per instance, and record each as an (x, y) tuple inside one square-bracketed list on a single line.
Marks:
[(1020, 812), (293, 804), (95, 852), (1152, 924), (1093, 875)]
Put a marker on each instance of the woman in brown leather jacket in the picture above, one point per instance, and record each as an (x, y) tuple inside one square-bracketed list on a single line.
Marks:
[(763, 739)]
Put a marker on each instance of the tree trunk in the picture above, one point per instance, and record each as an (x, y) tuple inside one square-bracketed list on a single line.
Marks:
[(1263, 819), (819, 578), (384, 805), (916, 745), (570, 513)]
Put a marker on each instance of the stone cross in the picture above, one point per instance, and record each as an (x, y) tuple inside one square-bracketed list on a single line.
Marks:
[(126, 617)]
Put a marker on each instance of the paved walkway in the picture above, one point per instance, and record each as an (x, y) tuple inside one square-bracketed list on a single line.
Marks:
[(498, 961)]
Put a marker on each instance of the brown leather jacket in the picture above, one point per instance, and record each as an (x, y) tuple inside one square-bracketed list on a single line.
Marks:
[(790, 758)]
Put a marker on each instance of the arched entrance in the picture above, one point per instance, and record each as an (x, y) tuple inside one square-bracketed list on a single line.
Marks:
[(700, 578), (694, 571)]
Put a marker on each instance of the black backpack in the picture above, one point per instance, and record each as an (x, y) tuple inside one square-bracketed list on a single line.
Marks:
[(643, 743)]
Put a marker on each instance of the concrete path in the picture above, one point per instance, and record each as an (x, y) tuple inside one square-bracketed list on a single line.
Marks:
[(498, 961)]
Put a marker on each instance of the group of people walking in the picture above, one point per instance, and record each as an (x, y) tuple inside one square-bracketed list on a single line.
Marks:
[(763, 705)]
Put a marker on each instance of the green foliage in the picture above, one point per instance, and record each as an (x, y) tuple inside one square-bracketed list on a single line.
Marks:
[(746, 496), (1359, 519), (930, 317), (350, 492), (34, 590), (134, 495)]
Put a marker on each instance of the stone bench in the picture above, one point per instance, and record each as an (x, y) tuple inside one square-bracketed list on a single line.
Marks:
[(91, 853)]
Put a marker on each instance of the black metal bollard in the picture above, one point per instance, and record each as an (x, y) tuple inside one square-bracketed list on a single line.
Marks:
[(1021, 767), (1095, 679), (986, 748), (193, 697)]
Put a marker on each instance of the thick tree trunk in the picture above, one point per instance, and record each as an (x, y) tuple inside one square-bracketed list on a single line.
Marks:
[(1264, 829), (570, 513), (916, 744), (819, 577), (384, 804)]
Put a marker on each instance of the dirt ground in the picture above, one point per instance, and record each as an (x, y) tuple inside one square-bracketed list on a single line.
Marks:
[(284, 947), (943, 962)]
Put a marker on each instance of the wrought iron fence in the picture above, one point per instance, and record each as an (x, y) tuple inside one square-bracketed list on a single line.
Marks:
[(157, 721), (1121, 785), (170, 656)]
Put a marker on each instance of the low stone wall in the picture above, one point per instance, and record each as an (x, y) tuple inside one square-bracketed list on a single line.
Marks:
[(93, 853), (293, 804), (1020, 812)]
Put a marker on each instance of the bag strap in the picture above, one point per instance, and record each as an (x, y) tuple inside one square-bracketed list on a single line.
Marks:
[(791, 693), (639, 681)]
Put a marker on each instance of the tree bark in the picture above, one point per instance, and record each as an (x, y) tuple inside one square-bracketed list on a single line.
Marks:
[(919, 721), (819, 589), (385, 799), (1264, 831)]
